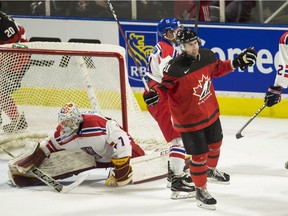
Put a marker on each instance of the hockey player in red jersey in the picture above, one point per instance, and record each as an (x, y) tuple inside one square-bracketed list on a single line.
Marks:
[(194, 107), (11, 31), (98, 136), (11, 75), (162, 53)]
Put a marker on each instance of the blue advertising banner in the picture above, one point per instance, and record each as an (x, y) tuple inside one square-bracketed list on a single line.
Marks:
[(226, 41)]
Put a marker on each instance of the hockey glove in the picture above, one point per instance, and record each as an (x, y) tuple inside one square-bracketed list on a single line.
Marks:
[(121, 175), (245, 59), (273, 95), (151, 98), (23, 163)]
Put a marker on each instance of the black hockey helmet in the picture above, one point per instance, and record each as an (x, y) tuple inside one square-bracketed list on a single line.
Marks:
[(185, 35)]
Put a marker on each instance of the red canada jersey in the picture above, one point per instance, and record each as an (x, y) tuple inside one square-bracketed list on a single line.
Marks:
[(10, 31), (192, 99)]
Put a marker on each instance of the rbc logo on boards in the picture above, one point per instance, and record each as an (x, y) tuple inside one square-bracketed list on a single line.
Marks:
[(141, 44)]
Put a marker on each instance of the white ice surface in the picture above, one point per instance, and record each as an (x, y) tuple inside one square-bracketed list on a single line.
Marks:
[(259, 183)]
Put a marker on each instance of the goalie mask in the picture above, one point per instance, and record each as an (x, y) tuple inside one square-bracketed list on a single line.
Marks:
[(69, 118)]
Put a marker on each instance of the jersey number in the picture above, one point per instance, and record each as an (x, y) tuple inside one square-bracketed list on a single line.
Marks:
[(122, 141), (9, 32), (166, 68), (282, 70)]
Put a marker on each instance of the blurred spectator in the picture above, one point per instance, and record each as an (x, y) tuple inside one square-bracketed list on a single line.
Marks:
[(237, 11), (186, 10), (96, 8), (16, 7), (57, 8), (83, 8), (154, 10)]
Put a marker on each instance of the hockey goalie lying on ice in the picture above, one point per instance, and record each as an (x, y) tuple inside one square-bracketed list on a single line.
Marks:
[(81, 141)]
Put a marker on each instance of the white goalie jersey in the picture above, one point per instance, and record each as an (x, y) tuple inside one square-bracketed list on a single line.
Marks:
[(282, 68), (97, 136)]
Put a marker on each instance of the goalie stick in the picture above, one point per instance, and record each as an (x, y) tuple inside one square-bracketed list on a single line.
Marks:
[(238, 134), (127, 44), (48, 180)]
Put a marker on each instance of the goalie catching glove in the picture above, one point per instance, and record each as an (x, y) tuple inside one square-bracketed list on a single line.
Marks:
[(245, 59), (273, 95), (151, 97), (121, 175), (23, 163)]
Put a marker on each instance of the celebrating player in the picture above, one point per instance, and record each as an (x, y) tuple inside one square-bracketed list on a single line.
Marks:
[(164, 51), (273, 94), (92, 133), (194, 107), (11, 75)]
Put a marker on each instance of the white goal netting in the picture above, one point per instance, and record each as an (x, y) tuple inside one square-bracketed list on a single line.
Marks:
[(35, 82)]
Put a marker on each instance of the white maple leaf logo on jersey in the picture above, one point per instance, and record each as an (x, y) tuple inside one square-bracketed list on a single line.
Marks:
[(203, 88)]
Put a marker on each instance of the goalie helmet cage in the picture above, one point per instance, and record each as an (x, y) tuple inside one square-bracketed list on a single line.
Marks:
[(93, 76)]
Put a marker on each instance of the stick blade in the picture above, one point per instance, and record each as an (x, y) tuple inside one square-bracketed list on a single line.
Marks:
[(68, 188), (239, 135)]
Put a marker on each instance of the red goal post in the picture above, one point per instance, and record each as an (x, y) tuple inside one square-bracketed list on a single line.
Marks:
[(93, 76)]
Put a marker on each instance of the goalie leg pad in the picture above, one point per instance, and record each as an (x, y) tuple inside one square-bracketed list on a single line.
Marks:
[(60, 165)]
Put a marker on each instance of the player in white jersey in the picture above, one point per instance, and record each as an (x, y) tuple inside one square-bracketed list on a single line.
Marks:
[(273, 94), (92, 133), (165, 50)]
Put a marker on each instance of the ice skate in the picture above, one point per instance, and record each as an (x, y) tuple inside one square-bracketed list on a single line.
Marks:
[(187, 179), (16, 125), (204, 199), (182, 187), (215, 176)]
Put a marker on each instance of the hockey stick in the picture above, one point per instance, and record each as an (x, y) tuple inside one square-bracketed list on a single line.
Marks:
[(197, 16), (48, 180), (127, 44), (238, 134)]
